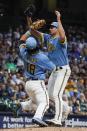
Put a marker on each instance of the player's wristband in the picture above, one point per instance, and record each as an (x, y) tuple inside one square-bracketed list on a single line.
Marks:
[(21, 42)]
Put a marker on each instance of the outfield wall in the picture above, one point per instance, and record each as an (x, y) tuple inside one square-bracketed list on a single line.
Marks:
[(7, 120)]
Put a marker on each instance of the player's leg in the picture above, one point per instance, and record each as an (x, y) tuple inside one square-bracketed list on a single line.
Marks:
[(59, 86), (42, 100), (38, 93), (50, 85), (60, 80)]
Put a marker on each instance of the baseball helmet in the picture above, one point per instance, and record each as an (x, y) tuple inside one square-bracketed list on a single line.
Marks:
[(55, 24), (31, 43)]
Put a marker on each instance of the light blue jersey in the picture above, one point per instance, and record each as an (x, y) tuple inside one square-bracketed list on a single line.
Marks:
[(57, 52), (36, 64)]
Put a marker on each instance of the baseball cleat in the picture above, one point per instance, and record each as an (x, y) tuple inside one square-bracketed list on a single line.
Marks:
[(39, 122), (53, 122)]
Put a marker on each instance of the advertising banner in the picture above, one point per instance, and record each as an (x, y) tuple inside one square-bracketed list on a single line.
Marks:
[(26, 121)]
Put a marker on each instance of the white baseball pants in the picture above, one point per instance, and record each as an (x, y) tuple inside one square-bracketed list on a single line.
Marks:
[(56, 86), (36, 90)]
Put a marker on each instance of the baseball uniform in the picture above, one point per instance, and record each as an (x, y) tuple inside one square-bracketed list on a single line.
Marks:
[(35, 66)]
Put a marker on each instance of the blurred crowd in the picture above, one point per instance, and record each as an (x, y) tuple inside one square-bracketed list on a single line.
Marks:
[(12, 81)]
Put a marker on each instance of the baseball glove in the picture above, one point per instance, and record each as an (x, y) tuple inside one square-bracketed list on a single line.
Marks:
[(38, 24)]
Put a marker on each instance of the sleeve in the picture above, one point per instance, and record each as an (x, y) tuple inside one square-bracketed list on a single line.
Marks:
[(45, 38), (46, 64), (63, 42), (22, 50)]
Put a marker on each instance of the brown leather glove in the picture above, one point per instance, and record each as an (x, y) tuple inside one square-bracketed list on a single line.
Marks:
[(38, 24)]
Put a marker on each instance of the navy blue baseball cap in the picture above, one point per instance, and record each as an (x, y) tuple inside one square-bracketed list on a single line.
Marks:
[(55, 24), (31, 43)]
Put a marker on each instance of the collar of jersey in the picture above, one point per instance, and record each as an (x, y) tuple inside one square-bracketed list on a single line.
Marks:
[(53, 37)]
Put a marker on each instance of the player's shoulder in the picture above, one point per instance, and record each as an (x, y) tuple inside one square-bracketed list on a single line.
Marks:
[(64, 41), (42, 56)]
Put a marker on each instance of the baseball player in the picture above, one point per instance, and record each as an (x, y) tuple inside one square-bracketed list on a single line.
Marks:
[(35, 64), (56, 43)]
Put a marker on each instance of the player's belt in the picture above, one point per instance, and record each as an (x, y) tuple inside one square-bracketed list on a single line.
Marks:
[(59, 68), (32, 79)]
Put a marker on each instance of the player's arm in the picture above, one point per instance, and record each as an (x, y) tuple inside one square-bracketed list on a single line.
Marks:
[(25, 36), (37, 34), (60, 28), (22, 49), (32, 31), (46, 63)]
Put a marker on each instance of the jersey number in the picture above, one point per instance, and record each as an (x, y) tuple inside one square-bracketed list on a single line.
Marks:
[(31, 68)]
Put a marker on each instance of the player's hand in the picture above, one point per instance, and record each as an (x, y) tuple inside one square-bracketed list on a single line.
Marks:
[(58, 14)]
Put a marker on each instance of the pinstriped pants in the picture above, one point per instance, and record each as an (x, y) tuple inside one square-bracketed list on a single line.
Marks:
[(56, 86), (37, 91)]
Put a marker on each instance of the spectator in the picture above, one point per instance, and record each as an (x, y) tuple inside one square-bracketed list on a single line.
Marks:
[(75, 105), (83, 103)]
